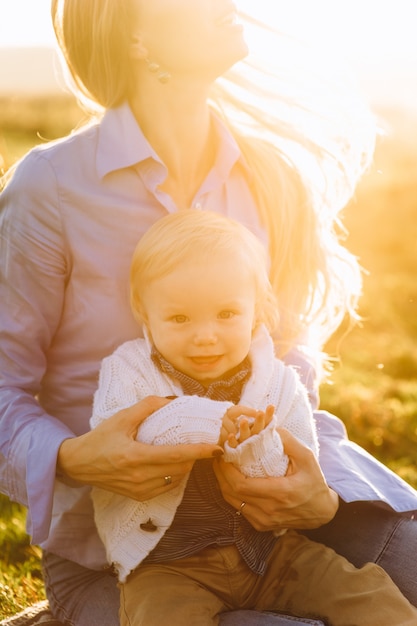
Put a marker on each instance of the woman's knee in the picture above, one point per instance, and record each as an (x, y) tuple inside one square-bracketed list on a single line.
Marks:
[(78, 595), (366, 532), (398, 558)]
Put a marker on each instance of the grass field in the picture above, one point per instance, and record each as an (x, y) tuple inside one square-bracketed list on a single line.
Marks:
[(374, 384)]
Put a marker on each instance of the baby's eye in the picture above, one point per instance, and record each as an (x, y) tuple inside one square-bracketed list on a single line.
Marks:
[(179, 319), (226, 315)]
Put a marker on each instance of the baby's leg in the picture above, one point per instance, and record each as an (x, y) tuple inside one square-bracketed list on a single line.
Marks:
[(308, 579), (157, 595)]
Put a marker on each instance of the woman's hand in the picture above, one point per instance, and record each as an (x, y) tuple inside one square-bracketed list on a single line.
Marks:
[(299, 500), (110, 457)]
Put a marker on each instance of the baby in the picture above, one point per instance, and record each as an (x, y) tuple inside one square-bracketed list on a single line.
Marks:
[(200, 289)]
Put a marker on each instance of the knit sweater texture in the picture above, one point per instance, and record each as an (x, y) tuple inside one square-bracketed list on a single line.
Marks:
[(129, 375)]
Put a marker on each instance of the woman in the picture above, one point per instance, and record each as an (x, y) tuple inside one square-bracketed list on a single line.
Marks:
[(70, 218)]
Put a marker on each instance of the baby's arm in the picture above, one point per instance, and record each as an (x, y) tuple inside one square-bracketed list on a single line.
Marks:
[(258, 451), (125, 380), (126, 377), (243, 428), (186, 419)]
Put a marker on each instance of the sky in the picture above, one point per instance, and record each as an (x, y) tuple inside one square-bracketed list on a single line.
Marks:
[(377, 37)]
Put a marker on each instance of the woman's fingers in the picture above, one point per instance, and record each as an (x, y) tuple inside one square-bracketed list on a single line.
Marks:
[(128, 420), (301, 499), (110, 457), (297, 451)]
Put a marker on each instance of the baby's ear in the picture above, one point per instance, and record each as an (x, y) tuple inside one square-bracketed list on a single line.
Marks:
[(142, 317), (139, 313), (147, 333)]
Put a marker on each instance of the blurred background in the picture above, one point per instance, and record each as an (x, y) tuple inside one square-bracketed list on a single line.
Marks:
[(373, 387)]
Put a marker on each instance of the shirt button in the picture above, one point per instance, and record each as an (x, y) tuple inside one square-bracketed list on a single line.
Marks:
[(149, 526)]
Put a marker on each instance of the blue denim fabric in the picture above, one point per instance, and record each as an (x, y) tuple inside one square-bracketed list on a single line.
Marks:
[(365, 532), (255, 618), (79, 596)]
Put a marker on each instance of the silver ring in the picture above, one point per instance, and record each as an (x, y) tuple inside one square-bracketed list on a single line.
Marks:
[(239, 512), (168, 480)]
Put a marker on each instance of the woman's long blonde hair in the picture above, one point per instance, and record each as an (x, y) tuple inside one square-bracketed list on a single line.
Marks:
[(305, 158)]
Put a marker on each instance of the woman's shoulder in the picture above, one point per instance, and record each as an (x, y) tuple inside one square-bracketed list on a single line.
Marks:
[(58, 154), (66, 148), (39, 178)]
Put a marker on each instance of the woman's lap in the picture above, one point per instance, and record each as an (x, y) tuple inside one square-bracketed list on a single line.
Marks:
[(79, 596), (82, 597), (369, 532), (361, 532)]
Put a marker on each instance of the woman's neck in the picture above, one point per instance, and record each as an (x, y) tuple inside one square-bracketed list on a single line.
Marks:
[(177, 123)]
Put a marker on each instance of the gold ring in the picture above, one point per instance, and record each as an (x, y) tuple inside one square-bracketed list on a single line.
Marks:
[(239, 512), (168, 480)]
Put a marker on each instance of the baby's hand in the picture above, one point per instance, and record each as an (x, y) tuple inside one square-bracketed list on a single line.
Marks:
[(247, 428), (231, 421)]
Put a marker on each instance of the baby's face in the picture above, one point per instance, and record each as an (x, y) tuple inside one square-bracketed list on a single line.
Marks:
[(201, 317)]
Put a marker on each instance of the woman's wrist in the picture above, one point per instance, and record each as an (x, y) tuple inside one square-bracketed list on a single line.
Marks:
[(64, 465)]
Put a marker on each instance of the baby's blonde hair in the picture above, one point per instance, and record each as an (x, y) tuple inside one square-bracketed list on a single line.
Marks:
[(192, 236)]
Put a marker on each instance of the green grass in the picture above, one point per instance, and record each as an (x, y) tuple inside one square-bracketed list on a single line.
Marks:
[(20, 571), (373, 387), (27, 122)]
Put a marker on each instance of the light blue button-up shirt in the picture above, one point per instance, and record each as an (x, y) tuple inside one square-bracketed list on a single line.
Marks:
[(69, 221)]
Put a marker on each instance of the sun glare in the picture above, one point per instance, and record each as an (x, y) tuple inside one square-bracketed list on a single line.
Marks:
[(25, 23), (375, 37), (356, 27)]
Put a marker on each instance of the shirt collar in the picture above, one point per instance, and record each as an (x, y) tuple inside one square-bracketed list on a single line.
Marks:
[(122, 144), (229, 387)]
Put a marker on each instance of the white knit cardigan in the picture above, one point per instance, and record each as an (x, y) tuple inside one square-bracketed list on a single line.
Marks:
[(129, 375)]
